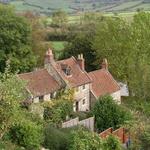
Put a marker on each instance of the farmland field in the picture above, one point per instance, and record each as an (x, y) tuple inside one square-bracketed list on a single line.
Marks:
[(58, 47), (126, 5), (79, 6)]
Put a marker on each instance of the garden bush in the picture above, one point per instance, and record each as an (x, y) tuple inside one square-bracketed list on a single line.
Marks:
[(109, 114), (27, 134)]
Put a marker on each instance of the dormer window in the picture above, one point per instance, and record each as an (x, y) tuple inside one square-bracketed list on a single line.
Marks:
[(66, 69)]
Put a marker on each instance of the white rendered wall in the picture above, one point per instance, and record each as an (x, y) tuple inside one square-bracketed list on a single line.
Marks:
[(36, 100), (47, 97), (117, 96)]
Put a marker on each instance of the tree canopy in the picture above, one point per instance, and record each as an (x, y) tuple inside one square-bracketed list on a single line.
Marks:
[(109, 114), (126, 46), (59, 18), (15, 41), (11, 94)]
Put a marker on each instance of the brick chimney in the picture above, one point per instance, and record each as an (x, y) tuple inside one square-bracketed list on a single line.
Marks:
[(49, 57), (81, 61), (104, 64)]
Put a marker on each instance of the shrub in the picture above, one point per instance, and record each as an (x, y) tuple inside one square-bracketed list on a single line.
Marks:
[(109, 114), (84, 140), (145, 139), (8, 145), (27, 134), (55, 139), (112, 143), (57, 110)]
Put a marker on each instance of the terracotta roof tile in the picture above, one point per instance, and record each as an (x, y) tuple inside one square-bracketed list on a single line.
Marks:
[(40, 82), (103, 82), (78, 77)]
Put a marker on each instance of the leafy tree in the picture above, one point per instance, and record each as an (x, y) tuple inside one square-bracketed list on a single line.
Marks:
[(59, 18), (80, 39), (15, 41), (11, 94), (109, 114), (139, 81), (26, 133), (91, 18), (113, 41), (81, 43), (38, 36), (112, 143), (85, 140)]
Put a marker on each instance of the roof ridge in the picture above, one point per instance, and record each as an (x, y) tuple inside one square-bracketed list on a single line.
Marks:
[(96, 70), (107, 71), (113, 78), (33, 71), (81, 69), (64, 59)]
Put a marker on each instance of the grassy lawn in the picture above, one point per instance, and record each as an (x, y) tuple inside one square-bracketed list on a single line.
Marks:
[(71, 19), (57, 47)]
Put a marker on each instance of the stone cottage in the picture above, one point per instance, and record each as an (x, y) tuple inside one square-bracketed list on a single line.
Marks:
[(43, 84)]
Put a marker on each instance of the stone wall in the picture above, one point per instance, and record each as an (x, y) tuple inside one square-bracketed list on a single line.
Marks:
[(83, 95)]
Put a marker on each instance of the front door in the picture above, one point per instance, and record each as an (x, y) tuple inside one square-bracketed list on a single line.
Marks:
[(77, 106)]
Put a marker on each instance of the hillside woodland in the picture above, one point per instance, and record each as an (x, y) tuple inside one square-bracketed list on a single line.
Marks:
[(25, 37)]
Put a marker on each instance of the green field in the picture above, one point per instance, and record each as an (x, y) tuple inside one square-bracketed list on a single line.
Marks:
[(76, 7), (57, 47), (126, 6)]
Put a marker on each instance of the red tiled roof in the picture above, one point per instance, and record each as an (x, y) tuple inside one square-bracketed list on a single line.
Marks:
[(40, 82), (103, 82), (78, 77)]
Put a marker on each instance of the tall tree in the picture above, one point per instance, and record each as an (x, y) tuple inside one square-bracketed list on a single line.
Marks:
[(139, 80), (81, 43), (15, 41), (38, 36), (113, 41), (59, 18), (11, 94)]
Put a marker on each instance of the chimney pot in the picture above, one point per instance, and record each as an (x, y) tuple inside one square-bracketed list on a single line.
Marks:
[(49, 57), (81, 61), (79, 56), (104, 64)]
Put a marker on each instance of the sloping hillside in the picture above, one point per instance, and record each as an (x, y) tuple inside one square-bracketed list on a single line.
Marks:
[(76, 6)]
